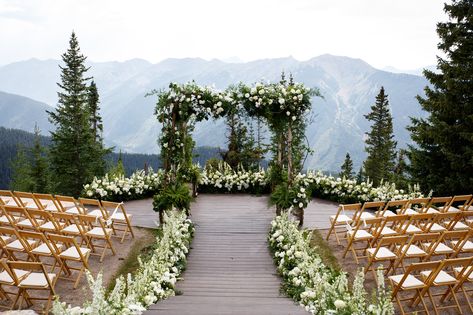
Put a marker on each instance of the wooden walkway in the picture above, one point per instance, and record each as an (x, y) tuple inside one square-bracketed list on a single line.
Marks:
[(230, 270)]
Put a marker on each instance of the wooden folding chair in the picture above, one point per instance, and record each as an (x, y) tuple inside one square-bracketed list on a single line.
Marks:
[(440, 247), (457, 204), (7, 280), (458, 222), (369, 209), (416, 205), (416, 223), (20, 218), (393, 207), (365, 231), (409, 281), (27, 200), (44, 248), (48, 201), (121, 220), (37, 279), (8, 198), (4, 219), (48, 221), (73, 253), (437, 203), (93, 207), (413, 249), (436, 224), (71, 227), (96, 230), (337, 220), (17, 245), (4, 240), (464, 276), (388, 249), (442, 278), (393, 225), (69, 205)]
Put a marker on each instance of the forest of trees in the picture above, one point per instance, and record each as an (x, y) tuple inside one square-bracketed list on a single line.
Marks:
[(12, 139)]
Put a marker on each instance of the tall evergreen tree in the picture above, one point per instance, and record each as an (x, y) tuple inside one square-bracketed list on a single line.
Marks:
[(347, 167), (380, 145), (94, 110), (21, 176), (400, 170), (359, 176), (442, 161), (73, 152), (39, 165)]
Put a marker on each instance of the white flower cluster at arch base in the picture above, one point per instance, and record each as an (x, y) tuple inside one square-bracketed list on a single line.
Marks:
[(154, 280), (316, 287), (138, 185)]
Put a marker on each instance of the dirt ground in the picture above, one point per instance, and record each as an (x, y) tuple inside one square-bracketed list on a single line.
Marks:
[(109, 268), (349, 265)]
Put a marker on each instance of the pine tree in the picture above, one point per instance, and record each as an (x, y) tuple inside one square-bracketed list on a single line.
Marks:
[(39, 166), (380, 146), (400, 177), (442, 161), (21, 171), (94, 110), (74, 149), (359, 176), (347, 167)]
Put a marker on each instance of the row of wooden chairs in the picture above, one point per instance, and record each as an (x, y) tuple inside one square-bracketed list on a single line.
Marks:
[(343, 221), (112, 212), (44, 238)]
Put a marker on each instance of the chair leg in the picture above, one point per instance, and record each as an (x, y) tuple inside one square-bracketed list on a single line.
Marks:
[(81, 271)]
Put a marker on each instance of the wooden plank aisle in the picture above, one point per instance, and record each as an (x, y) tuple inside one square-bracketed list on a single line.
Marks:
[(230, 270)]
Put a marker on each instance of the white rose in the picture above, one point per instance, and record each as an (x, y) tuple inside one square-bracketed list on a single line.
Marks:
[(339, 304)]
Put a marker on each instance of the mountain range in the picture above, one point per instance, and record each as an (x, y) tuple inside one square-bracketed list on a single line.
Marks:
[(349, 87)]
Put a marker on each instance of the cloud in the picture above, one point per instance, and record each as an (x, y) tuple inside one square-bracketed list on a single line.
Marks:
[(382, 32)]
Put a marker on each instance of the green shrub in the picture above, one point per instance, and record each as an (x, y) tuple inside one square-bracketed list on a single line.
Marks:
[(175, 195)]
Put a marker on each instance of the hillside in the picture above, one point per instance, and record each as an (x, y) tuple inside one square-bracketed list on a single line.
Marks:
[(349, 87)]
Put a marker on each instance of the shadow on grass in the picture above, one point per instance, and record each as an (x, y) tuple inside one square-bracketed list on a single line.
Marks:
[(323, 249)]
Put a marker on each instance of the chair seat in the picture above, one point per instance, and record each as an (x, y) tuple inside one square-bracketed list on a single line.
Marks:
[(43, 249), (441, 248), (96, 213), (118, 216), (458, 226), (73, 228), (73, 210), (37, 280), (410, 211), (5, 277), (412, 229), (442, 278), (72, 253), (49, 226), (450, 209), (8, 201), (342, 218), (387, 231), (360, 234), (5, 238), (4, 219), (389, 213), (413, 251), (366, 215), (98, 231), (383, 253), (28, 223), (432, 210), (16, 245), (467, 247), (436, 228), (411, 282), (457, 271)]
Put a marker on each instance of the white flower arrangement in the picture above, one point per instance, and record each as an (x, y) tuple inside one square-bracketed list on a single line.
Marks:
[(155, 279), (315, 286), (224, 179), (118, 188)]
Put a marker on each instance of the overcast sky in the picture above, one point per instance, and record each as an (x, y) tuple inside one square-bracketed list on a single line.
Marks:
[(399, 33)]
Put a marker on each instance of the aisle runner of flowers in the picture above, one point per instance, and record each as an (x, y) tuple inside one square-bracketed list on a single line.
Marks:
[(154, 280), (225, 180), (315, 286)]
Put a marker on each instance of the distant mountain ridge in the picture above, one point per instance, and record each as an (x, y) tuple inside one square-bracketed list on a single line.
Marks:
[(349, 87)]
